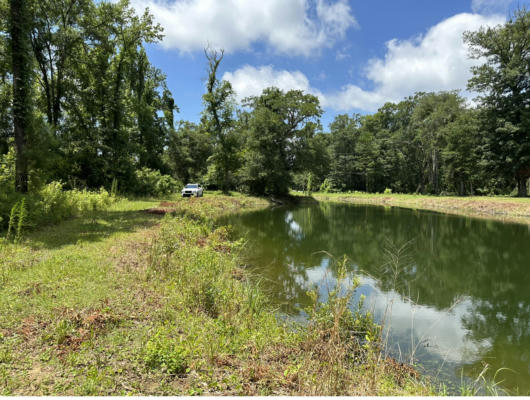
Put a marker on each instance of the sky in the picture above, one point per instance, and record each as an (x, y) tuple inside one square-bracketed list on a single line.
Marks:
[(355, 55)]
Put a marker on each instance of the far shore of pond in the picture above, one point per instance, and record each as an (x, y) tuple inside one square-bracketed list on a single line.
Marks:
[(501, 208)]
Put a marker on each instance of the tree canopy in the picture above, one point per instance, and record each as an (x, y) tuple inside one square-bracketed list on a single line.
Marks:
[(81, 103)]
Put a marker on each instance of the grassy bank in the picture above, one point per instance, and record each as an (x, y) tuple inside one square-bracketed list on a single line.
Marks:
[(126, 301), (507, 209)]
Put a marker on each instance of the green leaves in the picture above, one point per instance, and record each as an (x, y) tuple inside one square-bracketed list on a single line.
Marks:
[(504, 81), (166, 352), (278, 131), (218, 121)]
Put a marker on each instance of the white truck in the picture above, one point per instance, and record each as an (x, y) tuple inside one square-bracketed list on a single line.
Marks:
[(192, 189)]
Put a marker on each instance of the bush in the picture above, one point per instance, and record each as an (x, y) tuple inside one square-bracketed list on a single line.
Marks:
[(152, 183), (388, 191)]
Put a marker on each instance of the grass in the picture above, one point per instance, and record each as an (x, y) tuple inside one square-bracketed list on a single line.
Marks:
[(504, 208), (125, 301)]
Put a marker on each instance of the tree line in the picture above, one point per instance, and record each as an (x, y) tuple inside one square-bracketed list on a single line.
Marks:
[(82, 104)]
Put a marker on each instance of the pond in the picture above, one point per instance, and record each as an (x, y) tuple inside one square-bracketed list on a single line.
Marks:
[(453, 292)]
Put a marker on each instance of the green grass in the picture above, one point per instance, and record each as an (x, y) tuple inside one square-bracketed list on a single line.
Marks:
[(128, 302)]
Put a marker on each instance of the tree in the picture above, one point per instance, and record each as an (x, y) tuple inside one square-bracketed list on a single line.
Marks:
[(54, 38), (367, 151), (462, 152), (344, 134), (20, 28), (504, 84), (432, 112), (111, 115), (6, 89), (188, 151), (316, 159), (279, 129), (218, 119), (152, 131)]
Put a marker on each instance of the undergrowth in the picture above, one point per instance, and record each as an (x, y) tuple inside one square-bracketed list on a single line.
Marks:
[(48, 205)]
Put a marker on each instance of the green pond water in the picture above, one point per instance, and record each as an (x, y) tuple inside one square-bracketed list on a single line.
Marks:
[(457, 299)]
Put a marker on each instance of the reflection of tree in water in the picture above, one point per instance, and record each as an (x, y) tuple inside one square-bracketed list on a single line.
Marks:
[(281, 243), (504, 330), (447, 258)]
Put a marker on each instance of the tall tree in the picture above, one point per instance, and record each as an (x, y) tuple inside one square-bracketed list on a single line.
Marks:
[(20, 29), (6, 90), (149, 95), (218, 120), (504, 84), (111, 105), (344, 134), (462, 152), (431, 114), (54, 37), (279, 130)]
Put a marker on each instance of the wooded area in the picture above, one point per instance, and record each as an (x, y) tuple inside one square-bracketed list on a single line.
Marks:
[(81, 104)]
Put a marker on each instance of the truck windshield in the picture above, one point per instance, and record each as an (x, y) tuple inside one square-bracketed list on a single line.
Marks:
[(191, 186)]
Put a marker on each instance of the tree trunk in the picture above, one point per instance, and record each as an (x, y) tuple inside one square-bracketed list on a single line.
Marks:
[(522, 190), (20, 68)]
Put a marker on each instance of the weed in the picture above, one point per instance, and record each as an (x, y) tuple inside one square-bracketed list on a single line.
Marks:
[(482, 385), (340, 338), (63, 330), (166, 352), (17, 220)]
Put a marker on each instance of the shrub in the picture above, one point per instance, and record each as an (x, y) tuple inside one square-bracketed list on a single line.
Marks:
[(166, 185), (8, 198), (152, 183), (388, 191)]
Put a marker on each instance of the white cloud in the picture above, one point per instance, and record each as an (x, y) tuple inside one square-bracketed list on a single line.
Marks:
[(490, 6), (300, 27), (250, 81), (435, 61)]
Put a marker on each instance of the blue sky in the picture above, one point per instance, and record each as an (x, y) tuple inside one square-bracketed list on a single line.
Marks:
[(354, 54)]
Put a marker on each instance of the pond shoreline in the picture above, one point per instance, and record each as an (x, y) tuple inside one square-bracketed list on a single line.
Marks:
[(504, 209)]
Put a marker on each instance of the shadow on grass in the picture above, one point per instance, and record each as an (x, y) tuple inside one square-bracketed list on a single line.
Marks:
[(96, 227)]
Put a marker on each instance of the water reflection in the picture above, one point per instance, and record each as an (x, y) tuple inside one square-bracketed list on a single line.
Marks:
[(457, 287)]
